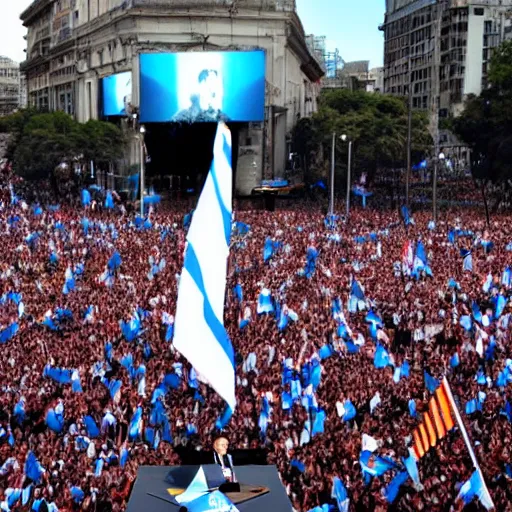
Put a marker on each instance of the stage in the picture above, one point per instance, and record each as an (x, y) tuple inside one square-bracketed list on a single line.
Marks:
[(151, 483)]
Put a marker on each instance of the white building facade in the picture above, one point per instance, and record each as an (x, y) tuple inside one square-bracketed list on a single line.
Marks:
[(10, 86), (73, 44)]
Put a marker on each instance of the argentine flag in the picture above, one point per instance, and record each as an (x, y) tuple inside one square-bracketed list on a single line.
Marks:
[(199, 332)]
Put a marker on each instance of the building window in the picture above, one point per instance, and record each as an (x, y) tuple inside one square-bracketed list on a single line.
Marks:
[(478, 11)]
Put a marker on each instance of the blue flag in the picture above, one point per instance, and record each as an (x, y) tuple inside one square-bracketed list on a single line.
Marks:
[(33, 468), (339, 493), (475, 488), (392, 490), (430, 382), (381, 359), (86, 197), (412, 467)]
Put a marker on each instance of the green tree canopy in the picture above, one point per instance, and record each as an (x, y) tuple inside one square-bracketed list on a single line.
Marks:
[(485, 125), (376, 124), (41, 141)]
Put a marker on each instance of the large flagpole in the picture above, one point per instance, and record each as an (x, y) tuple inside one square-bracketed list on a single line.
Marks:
[(465, 435)]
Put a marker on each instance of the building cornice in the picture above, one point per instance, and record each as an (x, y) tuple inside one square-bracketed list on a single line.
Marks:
[(33, 10), (233, 7), (32, 63), (297, 44)]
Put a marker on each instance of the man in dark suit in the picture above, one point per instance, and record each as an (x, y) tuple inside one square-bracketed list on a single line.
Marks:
[(223, 459)]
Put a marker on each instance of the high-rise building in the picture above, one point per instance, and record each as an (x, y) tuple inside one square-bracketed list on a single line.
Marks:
[(9, 86), (442, 49)]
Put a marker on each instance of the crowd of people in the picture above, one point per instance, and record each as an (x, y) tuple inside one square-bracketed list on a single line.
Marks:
[(92, 386)]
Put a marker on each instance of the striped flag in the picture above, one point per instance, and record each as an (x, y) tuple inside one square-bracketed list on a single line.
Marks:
[(199, 332), (437, 422)]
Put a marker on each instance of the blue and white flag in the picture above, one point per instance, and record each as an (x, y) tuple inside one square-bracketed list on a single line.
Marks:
[(392, 490), (420, 263), (412, 467), (431, 383), (199, 333), (506, 278), (109, 200), (373, 465), (265, 304), (475, 487), (86, 197), (467, 264), (381, 358), (33, 468), (406, 216), (339, 493)]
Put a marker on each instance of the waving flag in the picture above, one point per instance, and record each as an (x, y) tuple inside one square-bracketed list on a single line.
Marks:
[(437, 422), (199, 333), (506, 278), (420, 261), (373, 465), (392, 490), (375, 323), (33, 468), (9, 332), (467, 264), (115, 261), (381, 358), (406, 216), (339, 493), (109, 200), (475, 488), (311, 257), (412, 467), (86, 197), (265, 304)]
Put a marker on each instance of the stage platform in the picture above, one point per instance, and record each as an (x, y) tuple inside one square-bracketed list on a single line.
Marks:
[(151, 483)]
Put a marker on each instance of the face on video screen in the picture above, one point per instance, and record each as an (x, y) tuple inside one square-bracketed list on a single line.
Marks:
[(202, 86), (210, 90)]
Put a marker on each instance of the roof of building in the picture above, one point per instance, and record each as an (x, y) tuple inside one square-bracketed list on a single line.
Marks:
[(6, 62), (356, 66)]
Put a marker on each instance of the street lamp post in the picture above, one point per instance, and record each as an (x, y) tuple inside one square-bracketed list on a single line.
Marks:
[(439, 158), (349, 169), (142, 169), (333, 165)]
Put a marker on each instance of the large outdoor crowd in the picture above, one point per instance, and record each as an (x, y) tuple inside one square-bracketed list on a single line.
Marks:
[(92, 388)]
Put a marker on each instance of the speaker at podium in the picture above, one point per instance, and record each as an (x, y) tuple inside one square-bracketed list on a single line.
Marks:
[(157, 487)]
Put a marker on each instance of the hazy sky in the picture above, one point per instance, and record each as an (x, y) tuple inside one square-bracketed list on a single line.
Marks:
[(351, 27)]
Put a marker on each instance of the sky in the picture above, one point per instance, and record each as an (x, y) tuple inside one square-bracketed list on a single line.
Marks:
[(351, 27)]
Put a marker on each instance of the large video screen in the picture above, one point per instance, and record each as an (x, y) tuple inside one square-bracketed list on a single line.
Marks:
[(117, 94), (202, 87)]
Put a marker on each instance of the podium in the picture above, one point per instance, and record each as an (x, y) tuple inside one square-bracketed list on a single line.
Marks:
[(261, 489)]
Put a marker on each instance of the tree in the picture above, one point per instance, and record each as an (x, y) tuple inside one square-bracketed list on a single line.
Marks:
[(42, 141), (500, 71), (485, 126), (101, 142), (376, 124)]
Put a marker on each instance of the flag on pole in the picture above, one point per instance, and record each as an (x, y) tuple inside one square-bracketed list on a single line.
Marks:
[(437, 422), (475, 487), (199, 332)]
